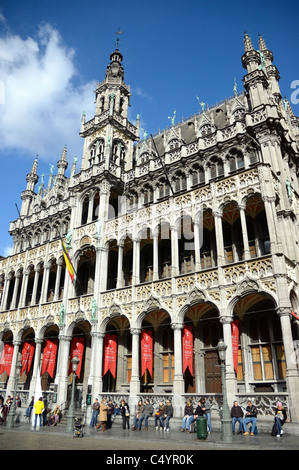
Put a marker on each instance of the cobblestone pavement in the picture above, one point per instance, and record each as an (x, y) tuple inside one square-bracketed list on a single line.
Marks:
[(23, 437)]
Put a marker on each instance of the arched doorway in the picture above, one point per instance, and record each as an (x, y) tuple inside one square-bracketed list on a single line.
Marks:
[(156, 353), (203, 375), (81, 347), (117, 355), (261, 355)]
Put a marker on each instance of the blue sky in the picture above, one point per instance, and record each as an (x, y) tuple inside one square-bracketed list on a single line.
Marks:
[(52, 53)]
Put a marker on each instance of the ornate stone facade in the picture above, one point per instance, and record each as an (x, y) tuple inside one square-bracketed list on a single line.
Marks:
[(195, 226)]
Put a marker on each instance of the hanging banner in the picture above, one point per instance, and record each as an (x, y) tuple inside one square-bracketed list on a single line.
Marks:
[(110, 354), (235, 342), (188, 348), (77, 349), (49, 357), (294, 315), (27, 356), (146, 351), (6, 359)]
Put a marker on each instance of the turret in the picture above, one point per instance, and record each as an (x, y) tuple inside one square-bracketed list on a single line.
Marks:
[(27, 195), (255, 82)]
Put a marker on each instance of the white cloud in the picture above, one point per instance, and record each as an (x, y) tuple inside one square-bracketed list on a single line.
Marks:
[(41, 104)]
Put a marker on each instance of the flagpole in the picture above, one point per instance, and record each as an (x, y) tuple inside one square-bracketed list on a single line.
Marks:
[(164, 169)]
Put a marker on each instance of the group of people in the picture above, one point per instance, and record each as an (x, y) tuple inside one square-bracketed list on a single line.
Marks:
[(5, 407), (43, 415), (190, 415), (237, 414), (102, 414)]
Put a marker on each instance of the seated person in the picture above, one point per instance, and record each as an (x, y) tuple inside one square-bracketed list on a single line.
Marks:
[(237, 416), (280, 418), (250, 417), (192, 418), (148, 411), (55, 417), (188, 412), (158, 414), (166, 416)]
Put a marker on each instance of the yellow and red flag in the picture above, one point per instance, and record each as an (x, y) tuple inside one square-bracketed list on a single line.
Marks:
[(68, 262)]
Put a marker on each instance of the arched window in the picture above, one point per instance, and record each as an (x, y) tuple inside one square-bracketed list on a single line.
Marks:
[(236, 160)]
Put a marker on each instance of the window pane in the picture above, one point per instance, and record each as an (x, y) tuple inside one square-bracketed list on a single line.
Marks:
[(281, 362), (256, 359)]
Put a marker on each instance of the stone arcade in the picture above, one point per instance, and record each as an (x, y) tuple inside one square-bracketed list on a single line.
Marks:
[(190, 233)]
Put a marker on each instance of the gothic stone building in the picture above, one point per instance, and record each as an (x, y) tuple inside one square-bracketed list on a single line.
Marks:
[(177, 241)]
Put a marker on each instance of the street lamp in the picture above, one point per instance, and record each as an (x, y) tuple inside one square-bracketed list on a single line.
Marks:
[(71, 414), (12, 412), (226, 420)]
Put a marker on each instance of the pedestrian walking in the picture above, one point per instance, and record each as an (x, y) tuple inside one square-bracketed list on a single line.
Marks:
[(110, 412), (103, 415)]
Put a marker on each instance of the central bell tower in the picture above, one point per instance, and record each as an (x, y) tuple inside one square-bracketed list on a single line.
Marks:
[(109, 136)]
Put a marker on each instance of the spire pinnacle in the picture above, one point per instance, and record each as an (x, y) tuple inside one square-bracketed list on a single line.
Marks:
[(247, 43)]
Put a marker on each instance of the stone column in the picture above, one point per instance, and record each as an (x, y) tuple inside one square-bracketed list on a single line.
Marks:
[(120, 278), (178, 380), (292, 376), (35, 284), (24, 288), (135, 377), (155, 257), (12, 376), (15, 290), (244, 232), (5, 292), (174, 251), (57, 281), (36, 364), (136, 262), (62, 367), (230, 377), (219, 238)]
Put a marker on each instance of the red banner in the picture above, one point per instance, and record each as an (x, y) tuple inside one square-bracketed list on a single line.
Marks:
[(49, 357), (235, 342), (146, 351), (294, 315), (27, 356), (6, 359), (77, 349), (110, 354), (188, 348)]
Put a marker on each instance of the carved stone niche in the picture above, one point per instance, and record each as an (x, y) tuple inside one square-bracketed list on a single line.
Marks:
[(152, 304), (247, 286), (195, 296)]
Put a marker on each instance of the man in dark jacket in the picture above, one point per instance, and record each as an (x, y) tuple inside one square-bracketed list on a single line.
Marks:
[(166, 417), (250, 417), (237, 415)]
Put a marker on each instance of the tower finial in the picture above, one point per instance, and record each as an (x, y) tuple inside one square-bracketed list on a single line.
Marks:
[(117, 39)]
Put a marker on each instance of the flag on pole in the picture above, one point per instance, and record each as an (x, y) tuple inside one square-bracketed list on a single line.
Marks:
[(68, 262), (37, 394)]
